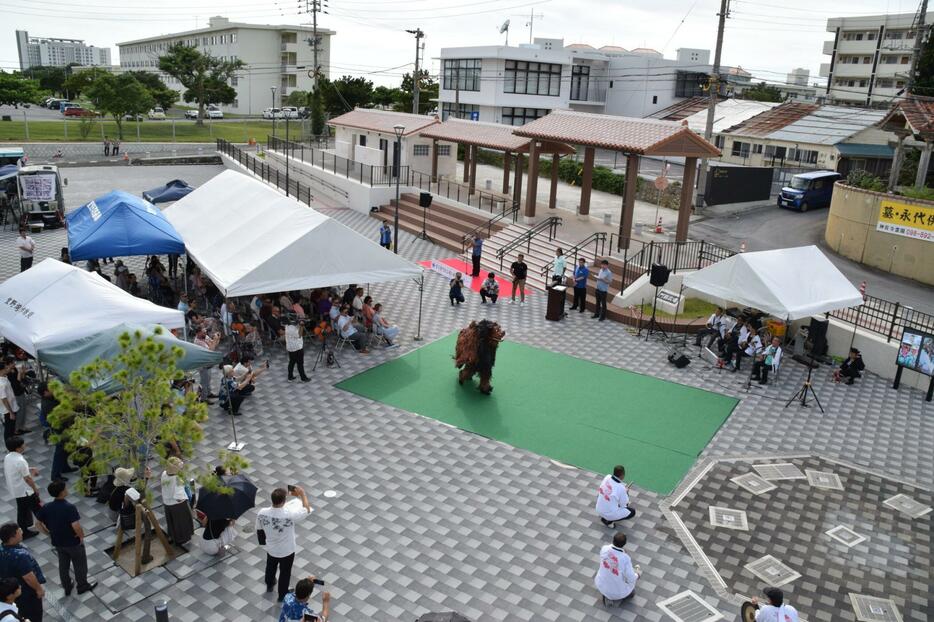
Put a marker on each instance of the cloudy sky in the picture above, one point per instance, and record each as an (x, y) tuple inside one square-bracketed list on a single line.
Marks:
[(371, 40)]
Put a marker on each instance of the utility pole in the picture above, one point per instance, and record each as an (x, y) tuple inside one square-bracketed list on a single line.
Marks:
[(415, 78), (714, 85), (314, 6), (919, 42)]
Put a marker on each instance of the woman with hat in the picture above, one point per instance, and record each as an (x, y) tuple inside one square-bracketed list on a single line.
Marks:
[(122, 481), (175, 499)]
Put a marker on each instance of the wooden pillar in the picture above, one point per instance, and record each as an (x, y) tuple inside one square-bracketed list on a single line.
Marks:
[(897, 160), (586, 182), (923, 164), (687, 194), (506, 156), (531, 193), (466, 162), (553, 193), (517, 182), (473, 170), (629, 200), (434, 160)]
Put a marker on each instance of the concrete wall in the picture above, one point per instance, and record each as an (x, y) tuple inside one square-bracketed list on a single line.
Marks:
[(851, 232), (420, 163)]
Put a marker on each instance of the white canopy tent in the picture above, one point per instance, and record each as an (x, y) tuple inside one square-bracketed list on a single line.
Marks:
[(250, 239), (54, 303), (788, 283)]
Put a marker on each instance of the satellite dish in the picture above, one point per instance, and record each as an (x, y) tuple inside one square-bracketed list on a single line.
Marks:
[(504, 27)]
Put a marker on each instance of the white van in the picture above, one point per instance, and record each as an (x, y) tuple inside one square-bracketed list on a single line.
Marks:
[(290, 112), (272, 113)]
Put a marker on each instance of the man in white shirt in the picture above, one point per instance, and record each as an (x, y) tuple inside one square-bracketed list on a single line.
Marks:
[(26, 246), (713, 328), (275, 528), (767, 360), (616, 577), (20, 484), (349, 332), (295, 346), (8, 404), (613, 498), (204, 374), (776, 610), (557, 269)]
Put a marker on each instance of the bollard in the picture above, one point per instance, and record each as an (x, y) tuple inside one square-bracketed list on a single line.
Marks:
[(162, 610)]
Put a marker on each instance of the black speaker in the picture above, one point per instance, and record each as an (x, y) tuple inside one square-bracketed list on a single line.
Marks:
[(424, 199), (659, 274), (817, 335), (678, 359)]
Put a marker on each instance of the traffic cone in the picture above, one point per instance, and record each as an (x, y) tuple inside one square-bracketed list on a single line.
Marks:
[(742, 247), (658, 226)]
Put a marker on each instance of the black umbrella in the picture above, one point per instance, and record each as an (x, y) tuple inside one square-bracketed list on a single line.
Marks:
[(217, 505)]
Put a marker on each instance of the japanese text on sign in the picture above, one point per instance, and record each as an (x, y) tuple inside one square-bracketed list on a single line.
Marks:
[(37, 187), (911, 221)]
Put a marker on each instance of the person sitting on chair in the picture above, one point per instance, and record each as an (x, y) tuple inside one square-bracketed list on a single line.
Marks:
[(738, 344), (850, 368), (345, 325), (767, 360), (366, 312), (383, 327), (613, 498), (456, 293), (489, 289), (616, 577), (714, 325)]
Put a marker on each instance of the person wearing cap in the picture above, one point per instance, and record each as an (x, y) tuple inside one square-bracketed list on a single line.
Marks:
[(850, 368), (616, 577), (613, 498), (604, 278), (26, 246), (175, 502), (776, 610)]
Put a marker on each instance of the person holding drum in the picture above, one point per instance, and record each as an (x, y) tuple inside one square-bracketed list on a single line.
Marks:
[(775, 611)]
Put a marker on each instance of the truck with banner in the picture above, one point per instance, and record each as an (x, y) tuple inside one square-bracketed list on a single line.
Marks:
[(41, 196)]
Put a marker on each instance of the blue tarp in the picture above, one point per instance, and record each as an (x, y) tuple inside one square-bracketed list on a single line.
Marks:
[(119, 224), (8, 170), (172, 191)]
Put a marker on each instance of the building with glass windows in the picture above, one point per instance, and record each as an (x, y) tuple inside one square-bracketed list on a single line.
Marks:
[(54, 52)]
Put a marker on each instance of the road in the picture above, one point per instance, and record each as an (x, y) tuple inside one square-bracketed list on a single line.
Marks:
[(768, 227), (38, 113)]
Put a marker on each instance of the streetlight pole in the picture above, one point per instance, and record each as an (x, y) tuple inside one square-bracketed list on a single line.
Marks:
[(397, 165), (273, 89), (287, 152)]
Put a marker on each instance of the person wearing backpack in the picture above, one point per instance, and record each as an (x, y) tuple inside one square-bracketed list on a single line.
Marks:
[(9, 592)]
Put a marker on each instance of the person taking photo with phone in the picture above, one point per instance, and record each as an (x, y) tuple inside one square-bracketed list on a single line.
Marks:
[(275, 530)]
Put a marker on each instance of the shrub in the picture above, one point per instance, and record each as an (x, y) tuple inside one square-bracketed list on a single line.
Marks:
[(865, 180), (925, 194)]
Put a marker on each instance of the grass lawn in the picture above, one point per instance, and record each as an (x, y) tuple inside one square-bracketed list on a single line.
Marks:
[(693, 309), (149, 131)]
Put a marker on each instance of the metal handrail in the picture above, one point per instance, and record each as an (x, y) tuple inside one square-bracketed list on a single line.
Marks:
[(512, 212), (456, 191), (370, 174), (550, 224), (598, 239)]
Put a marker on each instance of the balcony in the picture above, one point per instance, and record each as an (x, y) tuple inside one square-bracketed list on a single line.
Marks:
[(828, 47), (851, 70), (591, 94), (824, 70), (864, 47)]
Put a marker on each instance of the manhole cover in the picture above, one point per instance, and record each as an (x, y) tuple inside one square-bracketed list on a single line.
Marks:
[(906, 505), (688, 607), (780, 470), (754, 483), (872, 609), (771, 571), (824, 479), (330, 494), (846, 536), (728, 518)]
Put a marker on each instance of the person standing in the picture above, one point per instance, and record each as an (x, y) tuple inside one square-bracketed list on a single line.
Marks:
[(17, 562), (385, 235), (106, 146), (8, 404), (616, 577), (581, 273), (776, 610), (60, 519), (20, 484), (275, 529), (519, 271), (604, 278), (295, 346), (26, 246), (175, 502), (475, 256), (613, 498), (557, 267), (204, 374)]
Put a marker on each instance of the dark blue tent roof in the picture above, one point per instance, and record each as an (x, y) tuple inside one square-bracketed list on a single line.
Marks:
[(172, 191), (119, 224)]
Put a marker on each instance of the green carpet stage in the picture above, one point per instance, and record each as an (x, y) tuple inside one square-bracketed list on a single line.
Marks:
[(577, 412)]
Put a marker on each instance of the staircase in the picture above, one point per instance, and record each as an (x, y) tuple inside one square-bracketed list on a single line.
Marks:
[(446, 224)]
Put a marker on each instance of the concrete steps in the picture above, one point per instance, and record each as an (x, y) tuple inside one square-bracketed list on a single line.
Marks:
[(445, 224)]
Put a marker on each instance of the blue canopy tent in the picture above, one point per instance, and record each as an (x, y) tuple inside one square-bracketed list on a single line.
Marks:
[(8, 170), (172, 191), (67, 357), (119, 224)]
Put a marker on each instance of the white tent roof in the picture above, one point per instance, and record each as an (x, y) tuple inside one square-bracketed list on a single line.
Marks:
[(250, 239), (789, 283), (54, 303)]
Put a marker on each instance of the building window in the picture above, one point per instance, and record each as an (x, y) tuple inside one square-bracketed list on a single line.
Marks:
[(654, 99), (236, 103), (718, 142), (443, 150), (904, 60), (757, 149), (234, 81), (420, 150), (690, 84), (884, 83), (740, 149), (867, 60), (233, 37), (521, 116), (532, 78), (871, 36), (461, 74), (580, 82), (808, 156), (463, 111)]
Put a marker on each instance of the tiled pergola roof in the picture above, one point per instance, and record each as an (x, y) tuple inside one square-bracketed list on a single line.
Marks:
[(917, 113), (382, 121), (487, 135), (624, 134)]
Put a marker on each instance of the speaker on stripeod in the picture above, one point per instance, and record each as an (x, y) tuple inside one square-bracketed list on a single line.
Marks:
[(424, 199), (658, 276), (678, 359)]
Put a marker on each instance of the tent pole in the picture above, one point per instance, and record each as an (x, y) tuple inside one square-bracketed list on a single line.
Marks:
[(421, 292)]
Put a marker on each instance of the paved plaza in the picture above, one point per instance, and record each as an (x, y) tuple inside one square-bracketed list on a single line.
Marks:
[(422, 516)]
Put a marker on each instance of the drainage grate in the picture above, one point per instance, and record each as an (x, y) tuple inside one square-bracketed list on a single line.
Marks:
[(905, 504), (754, 483), (728, 518), (688, 607), (780, 470), (846, 536), (824, 479), (771, 571), (872, 609)]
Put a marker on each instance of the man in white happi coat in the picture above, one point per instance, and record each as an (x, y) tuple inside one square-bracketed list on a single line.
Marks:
[(613, 498), (776, 610), (616, 577)]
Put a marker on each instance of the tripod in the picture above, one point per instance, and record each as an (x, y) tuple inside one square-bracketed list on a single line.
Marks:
[(423, 235), (807, 387), (653, 325), (324, 352)]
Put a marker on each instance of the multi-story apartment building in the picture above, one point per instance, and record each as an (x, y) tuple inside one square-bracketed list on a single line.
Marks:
[(515, 85), (278, 58), (53, 52), (870, 58)]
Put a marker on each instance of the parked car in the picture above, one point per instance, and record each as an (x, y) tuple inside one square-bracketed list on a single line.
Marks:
[(157, 113), (272, 113), (289, 112), (63, 105), (303, 112), (191, 114), (213, 113), (53, 103), (78, 111), (133, 117), (807, 190)]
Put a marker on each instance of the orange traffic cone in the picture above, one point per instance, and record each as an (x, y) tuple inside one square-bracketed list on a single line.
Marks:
[(658, 226), (742, 246)]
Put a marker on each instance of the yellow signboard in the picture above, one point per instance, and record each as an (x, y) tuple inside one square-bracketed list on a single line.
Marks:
[(911, 221)]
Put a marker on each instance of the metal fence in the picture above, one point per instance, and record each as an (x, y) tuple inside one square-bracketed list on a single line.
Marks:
[(267, 173), (357, 171), (884, 317), (481, 199)]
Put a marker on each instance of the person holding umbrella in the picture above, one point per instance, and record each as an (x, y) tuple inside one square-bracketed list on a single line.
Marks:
[(221, 510)]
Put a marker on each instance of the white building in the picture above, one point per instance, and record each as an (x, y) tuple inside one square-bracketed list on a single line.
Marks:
[(515, 85), (53, 52), (870, 58), (277, 57)]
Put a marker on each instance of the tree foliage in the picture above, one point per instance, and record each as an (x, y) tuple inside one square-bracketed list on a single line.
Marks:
[(50, 79), (924, 69), (79, 82), (317, 113), (16, 89), (763, 92), (205, 77), (345, 94), (427, 93), (386, 97), (163, 95), (297, 99), (118, 96)]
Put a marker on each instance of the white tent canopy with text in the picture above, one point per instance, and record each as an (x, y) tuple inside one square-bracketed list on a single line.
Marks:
[(788, 283), (54, 303), (248, 238)]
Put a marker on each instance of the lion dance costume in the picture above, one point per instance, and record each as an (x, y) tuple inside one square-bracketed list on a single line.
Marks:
[(476, 352)]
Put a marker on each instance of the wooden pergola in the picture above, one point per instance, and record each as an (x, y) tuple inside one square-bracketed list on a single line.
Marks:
[(915, 118), (631, 137), (475, 135)]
